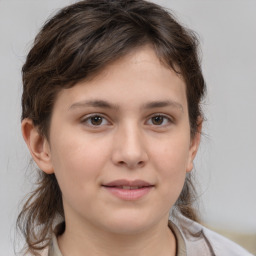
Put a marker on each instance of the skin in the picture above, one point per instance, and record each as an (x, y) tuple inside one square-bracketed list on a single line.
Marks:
[(127, 143)]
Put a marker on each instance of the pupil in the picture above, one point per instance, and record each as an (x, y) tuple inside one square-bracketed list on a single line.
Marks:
[(157, 120), (96, 120)]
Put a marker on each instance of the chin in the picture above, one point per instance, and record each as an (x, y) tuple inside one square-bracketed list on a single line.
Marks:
[(128, 223)]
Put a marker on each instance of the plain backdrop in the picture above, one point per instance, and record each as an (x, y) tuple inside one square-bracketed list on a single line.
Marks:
[(225, 166)]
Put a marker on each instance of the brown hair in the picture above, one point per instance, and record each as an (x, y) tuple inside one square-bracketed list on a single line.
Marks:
[(77, 43)]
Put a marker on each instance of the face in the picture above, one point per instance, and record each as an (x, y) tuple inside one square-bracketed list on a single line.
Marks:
[(120, 145)]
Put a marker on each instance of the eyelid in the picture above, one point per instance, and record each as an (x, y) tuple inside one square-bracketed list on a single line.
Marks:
[(169, 118), (85, 118)]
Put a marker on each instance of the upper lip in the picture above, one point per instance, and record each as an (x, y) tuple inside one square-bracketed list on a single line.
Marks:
[(130, 183)]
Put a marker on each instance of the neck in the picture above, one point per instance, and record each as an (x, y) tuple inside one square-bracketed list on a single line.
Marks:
[(158, 240)]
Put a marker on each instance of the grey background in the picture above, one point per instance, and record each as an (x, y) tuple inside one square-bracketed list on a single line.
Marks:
[(225, 166)]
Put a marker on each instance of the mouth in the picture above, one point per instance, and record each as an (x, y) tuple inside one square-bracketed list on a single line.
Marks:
[(128, 183), (127, 187), (128, 190)]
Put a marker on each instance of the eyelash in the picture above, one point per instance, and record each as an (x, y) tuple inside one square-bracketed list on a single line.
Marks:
[(166, 118), (88, 119)]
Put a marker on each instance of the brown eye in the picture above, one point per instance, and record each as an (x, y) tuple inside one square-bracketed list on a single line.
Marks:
[(96, 120), (157, 120)]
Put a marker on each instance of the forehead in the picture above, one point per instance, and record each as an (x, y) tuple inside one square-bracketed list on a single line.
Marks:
[(137, 77)]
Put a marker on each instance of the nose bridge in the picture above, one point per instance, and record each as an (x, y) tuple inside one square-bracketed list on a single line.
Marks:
[(130, 148)]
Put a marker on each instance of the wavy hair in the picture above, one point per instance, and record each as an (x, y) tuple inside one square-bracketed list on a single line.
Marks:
[(77, 43)]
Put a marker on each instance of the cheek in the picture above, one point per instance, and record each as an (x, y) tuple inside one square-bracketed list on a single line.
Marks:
[(172, 153), (171, 159), (78, 162)]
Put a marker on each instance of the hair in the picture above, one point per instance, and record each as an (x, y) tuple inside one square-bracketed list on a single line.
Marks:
[(77, 43)]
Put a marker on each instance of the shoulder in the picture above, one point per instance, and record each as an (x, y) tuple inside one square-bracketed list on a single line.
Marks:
[(201, 241), (223, 245)]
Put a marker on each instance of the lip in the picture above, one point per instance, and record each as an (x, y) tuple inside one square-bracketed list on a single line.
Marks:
[(115, 188), (131, 183)]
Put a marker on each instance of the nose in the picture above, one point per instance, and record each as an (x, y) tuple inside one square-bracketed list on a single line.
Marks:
[(129, 148)]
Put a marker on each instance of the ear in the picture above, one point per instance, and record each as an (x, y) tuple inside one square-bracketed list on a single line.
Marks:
[(194, 145), (38, 146)]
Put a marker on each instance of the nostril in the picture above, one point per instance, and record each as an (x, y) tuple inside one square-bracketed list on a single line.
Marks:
[(140, 163)]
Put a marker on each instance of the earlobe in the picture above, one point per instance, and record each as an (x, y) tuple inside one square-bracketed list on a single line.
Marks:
[(195, 142), (37, 145)]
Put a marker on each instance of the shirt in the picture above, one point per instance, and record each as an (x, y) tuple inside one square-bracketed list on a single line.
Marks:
[(192, 239)]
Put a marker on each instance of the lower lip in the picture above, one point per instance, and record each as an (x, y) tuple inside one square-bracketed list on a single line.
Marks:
[(129, 194)]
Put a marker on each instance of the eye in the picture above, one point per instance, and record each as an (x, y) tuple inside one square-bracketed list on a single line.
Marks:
[(159, 120), (95, 120)]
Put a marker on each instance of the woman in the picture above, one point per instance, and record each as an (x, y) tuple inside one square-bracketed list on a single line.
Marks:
[(111, 116)]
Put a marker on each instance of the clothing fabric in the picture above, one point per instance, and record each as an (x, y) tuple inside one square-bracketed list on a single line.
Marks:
[(192, 239), (199, 240)]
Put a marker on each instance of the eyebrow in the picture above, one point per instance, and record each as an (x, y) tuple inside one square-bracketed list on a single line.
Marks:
[(93, 103), (104, 104), (161, 104)]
